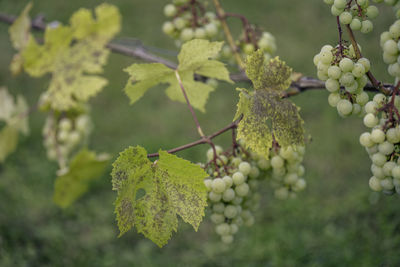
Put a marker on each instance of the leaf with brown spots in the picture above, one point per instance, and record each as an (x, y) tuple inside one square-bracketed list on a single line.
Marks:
[(172, 186)]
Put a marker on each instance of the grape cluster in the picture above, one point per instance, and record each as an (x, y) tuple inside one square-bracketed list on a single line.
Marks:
[(264, 41), (232, 194), (356, 15), (189, 20), (286, 170), (62, 135), (345, 78), (383, 143), (391, 49)]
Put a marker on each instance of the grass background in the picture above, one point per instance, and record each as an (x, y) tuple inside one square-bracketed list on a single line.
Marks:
[(337, 221)]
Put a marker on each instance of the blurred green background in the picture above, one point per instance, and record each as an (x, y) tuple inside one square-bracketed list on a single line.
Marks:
[(337, 221)]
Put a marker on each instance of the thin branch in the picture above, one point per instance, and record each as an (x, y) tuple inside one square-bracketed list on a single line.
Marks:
[(228, 34), (201, 141)]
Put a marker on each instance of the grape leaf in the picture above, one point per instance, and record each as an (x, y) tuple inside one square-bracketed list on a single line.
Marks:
[(84, 167), (274, 75), (19, 34), (71, 53), (195, 58), (15, 115), (151, 195), (266, 115)]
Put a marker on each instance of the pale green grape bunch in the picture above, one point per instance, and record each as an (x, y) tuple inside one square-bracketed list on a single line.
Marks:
[(356, 13), (264, 41), (64, 134), (391, 48), (232, 191), (184, 26), (383, 144), (345, 78), (285, 169)]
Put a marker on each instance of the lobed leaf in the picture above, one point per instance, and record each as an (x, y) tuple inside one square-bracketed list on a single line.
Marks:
[(151, 195), (70, 53), (194, 58)]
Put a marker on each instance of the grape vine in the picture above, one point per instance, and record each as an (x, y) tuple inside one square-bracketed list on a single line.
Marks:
[(268, 135)]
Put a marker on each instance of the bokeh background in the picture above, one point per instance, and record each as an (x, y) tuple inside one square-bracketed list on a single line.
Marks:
[(336, 221)]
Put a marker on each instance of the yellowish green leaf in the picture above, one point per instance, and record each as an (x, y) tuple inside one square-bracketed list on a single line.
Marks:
[(151, 195), (8, 141)]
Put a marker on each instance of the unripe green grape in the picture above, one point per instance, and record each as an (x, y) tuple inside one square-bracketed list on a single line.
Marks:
[(234, 228), (334, 72), (300, 185), (358, 70), (237, 200), (386, 148), (396, 172), (214, 197), (323, 67), (254, 173), (375, 184), (245, 168), (394, 31), (377, 171), (378, 159), (366, 26), (392, 136), (227, 239), (248, 49), (200, 33), (387, 184), (394, 70), (346, 64), (332, 85), (355, 24), (301, 171), (362, 98), (370, 120), (371, 107), (347, 79), (326, 57), (218, 185), (390, 47), (249, 222), (187, 34), (65, 124), (352, 88), (230, 212), (365, 62), (263, 164), (277, 162), (336, 11), (168, 28), (388, 168), (208, 183), (344, 107), (333, 99), (170, 10), (180, 23), (82, 123), (389, 58), (228, 181), (379, 99), (219, 207), (340, 4), (246, 214), (281, 193), (322, 76), (238, 178), (211, 30), (223, 229), (385, 36), (291, 178), (228, 195), (345, 18), (62, 136), (317, 59), (242, 190), (74, 138), (378, 136), (365, 140), (372, 12)]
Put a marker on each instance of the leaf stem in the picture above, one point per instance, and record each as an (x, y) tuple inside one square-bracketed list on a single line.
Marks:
[(228, 34), (196, 121)]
